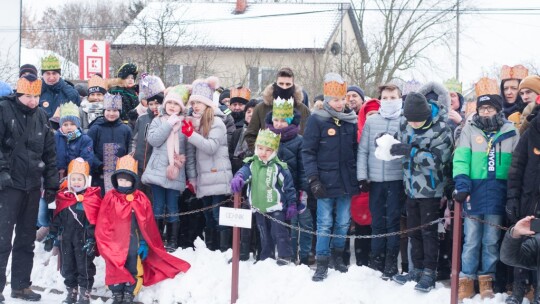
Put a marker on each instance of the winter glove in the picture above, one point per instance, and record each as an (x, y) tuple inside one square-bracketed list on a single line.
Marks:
[(447, 218), (461, 197), (317, 188), (191, 185), (90, 247), (5, 180), (512, 209), (237, 183), (363, 185), (49, 241), (187, 128), (143, 250), (400, 149), (292, 211), (50, 196), (173, 119)]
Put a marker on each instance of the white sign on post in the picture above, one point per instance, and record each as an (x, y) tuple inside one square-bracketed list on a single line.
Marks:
[(93, 58), (235, 217)]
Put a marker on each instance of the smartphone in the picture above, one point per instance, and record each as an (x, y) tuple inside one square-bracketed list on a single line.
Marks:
[(535, 225)]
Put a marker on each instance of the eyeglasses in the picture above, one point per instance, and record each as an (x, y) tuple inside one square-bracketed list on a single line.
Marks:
[(487, 109)]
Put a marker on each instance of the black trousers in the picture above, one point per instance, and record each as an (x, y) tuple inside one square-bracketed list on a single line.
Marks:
[(425, 242), (18, 208), (76, 267)]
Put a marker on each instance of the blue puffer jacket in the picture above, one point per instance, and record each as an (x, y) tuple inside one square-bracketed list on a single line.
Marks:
[(52, 96), (68, 151), (290, 152), (329, 151), (101, 132)]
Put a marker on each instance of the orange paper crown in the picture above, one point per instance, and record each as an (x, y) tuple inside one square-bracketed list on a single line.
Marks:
[(335, 89), (78, 165), (486, 86), (515, 72), (97, 81), (24, 86), (127, 163), (241, 92)]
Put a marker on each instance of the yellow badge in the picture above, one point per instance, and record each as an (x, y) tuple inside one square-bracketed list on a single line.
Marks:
[(331, 132), (479, 139), (536, 151), (45, 104), (129, 197), (80, 198)]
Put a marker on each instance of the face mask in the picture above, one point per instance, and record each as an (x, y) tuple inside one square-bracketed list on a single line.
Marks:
[(419, 126), (125, 190), (391, 108)]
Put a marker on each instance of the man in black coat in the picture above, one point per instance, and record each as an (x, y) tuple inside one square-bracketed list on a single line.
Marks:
[(27, 156)]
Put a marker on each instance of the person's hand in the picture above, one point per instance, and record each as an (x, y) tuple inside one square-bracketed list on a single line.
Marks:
[(400, 149), (187, 128), (292, 211), (49, 241), (5, 180), (523, 227), (192, 186), (363, 185), (173, 119), (179, 160), (454, 116), (317, 188), (50, 196), (90, 247), (55, 250), (512, 209), (461, 197), (143, 250), (237, 183)]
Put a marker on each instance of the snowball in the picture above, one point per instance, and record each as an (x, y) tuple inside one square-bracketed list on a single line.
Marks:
[(384, 143)]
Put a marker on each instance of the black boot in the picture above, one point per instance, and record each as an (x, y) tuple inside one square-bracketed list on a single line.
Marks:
[(322, 269), (414, 275), (84, 296), (209, 238), (376, 262), (128, 297), (2, 298), (518, 292), (339, 263), (171, 242), (225, 239), (404, 267), (25, 294), (118, 297), (390, 264), (245, 244), (160, 225), (71, 296)]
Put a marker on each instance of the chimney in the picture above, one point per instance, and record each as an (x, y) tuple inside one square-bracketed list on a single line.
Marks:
[(240, 6)]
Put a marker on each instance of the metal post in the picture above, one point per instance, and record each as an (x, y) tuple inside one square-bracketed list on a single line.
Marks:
[(456, 253), (236, 254), (457, 40)]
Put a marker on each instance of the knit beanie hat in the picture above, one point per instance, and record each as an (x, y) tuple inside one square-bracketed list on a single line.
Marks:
[(82, 89), (5, 89), (127, 69), (69, 112), (178, 94), (251, 104), (490, 100), (225, 94), (150, 86), (356, 89), (202, 92), (417, 108), (531, 82), (334, 87), (27, 68)]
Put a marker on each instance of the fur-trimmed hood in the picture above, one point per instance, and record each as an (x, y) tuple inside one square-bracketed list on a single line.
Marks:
[(268, 97), (443, 97)]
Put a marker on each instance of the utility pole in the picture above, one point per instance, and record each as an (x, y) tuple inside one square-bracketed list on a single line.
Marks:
[(457, 40)]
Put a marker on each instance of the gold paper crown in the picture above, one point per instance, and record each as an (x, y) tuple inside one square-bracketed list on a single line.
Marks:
[(78, 165), (335, 89), (24, 86), (97, 81), (69, 109), (50, 62), (283, 108), (127, 163), (515, 72), (241, 92), (486, 86), (268, 139), (453, 85)]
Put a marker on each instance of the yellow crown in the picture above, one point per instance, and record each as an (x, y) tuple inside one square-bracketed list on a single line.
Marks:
[(453, 85), (97, 81), (127, 163), (486, 86), (24, 86), (241, 92), (268, 139), (50, 62), (515, 72), (78, 165), (69, 109), (335, 89), (283, 108)]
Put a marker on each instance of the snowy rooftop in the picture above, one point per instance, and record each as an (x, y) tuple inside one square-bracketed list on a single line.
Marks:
[(275, 26), (33, 56)]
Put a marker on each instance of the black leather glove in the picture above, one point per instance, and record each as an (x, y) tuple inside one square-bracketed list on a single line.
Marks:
[(512, 210), (5, 180), (363, 185), (50, 195), (90, 247), (400, 149), (317, 188), (461, 197), (49, 241)]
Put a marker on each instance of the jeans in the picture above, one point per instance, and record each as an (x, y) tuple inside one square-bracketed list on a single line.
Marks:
[(385, 206), (273, 234), (483, 238), (44, 216), (164, 197), (325, 222), (212, 215), (304, 221)]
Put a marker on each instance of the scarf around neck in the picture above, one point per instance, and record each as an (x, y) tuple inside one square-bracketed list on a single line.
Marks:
[(287, 133), (173, 147), (328, 112)]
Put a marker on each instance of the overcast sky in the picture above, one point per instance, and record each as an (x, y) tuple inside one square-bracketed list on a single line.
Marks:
[(487, 40)]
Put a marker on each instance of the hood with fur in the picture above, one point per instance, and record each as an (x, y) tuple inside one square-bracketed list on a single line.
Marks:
[(268, 97), (432, 89)]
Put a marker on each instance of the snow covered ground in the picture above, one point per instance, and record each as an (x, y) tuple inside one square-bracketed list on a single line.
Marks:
[(208, 282)]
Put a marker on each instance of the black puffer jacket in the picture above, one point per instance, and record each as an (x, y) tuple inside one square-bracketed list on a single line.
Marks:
[(28, 150)]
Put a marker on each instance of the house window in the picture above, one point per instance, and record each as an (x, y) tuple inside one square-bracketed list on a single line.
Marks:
[(172, 74), (188, 74), (268, 76), (259, 78), (254, 79)]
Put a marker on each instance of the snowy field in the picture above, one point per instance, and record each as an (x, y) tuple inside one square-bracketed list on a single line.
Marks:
[(208, 282)]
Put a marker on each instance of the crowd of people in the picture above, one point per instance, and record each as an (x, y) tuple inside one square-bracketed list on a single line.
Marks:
[(126, 156)]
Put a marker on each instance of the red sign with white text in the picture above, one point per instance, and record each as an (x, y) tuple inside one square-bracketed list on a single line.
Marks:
[(93, 58)]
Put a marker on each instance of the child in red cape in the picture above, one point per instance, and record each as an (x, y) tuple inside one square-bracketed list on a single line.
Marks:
[(139, 259)]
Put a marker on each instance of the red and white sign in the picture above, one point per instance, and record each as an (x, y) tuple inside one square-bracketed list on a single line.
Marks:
[(93, 58)]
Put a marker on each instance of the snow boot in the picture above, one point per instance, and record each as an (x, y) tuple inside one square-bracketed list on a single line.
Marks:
[(339, 263), (128, 297), (2, 298), (84, 296), (413, 275), (390, 264), (209, 238), (225, 239), (486, 286), (71, 296), (376, 262), (245, 244), (322, 269), (427, 281), (173, 237), (118, 297), (304, 261), (466, 289), (283, 261), (518, 292), (25, 294)]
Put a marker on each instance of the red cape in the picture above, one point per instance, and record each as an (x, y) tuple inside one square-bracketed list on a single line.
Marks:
[(113, 228), (91, 202)]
